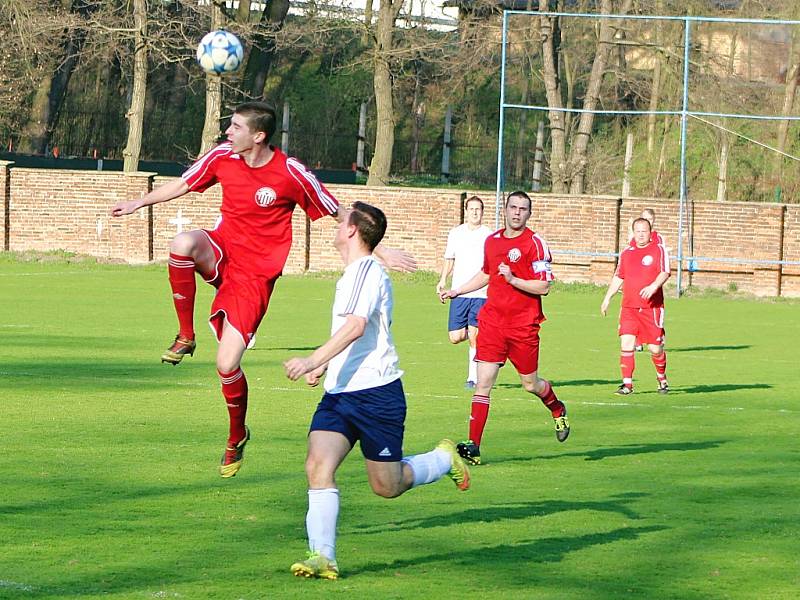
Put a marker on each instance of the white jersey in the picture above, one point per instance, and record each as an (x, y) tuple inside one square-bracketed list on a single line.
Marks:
[(465, 247), (364, 290)]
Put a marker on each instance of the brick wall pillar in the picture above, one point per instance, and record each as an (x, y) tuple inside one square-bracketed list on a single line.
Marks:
[(769, 233), (134, 233), (605, 238), (5, 203)]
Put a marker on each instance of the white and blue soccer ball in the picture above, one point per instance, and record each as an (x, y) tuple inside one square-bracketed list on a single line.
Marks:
[(220, 52)]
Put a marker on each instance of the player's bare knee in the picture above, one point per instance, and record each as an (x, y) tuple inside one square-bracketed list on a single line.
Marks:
[(183, 244), (386, 489), (456, 337), (228, 364)]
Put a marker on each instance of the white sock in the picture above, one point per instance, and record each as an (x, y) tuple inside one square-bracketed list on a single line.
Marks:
[(429, 467), (323, 511), (473, 366)]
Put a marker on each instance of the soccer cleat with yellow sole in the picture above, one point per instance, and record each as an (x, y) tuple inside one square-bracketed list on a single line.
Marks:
[(459, 471), (233, 457), (562, 427), (317, 566), (179, 348)]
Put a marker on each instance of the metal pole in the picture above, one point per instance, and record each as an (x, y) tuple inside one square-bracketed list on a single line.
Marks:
[(448, 120), (538, 158), (626, 170), (684, 113), (502, 119), (362, 136), (285, 129)]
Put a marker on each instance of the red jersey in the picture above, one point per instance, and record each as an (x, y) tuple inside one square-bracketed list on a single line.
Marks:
[(639, 267), (257, 204), (529, 258)]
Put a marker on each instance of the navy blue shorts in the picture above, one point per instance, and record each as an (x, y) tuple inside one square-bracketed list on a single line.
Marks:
[(375, 416), (463, 312)]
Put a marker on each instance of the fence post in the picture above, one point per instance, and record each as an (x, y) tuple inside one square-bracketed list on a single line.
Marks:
[(285, 129), (722, 178), (538, 158), (626, 173), (448, 121), (362, 136)]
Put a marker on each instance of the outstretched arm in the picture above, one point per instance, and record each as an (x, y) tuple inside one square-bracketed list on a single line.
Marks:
[(352, 329), (479, 280), (169, 191)]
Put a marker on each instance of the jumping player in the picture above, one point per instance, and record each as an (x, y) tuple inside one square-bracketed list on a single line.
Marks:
[(244, 254), (363, 398), (517, 269), (641, 273)]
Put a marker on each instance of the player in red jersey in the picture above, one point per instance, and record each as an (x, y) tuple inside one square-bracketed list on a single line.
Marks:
[(650, 215), (642, 270), (517, 269), (245, 253)]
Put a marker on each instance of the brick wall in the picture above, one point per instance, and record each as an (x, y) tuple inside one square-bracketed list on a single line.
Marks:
[(69, 210)]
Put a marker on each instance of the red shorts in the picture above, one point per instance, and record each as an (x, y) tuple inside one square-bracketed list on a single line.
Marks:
[(520, 345), (647, 324), (242, 298)]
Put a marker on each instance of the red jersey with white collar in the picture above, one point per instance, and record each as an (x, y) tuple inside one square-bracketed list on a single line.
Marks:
[(529, 258), (257, 204), (639, 267)]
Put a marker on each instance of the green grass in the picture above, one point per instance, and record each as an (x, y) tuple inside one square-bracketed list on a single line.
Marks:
[(109, 484)]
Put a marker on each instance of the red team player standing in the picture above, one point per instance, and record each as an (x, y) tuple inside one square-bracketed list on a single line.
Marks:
[(517, 270), (245, 254), (641, 273)]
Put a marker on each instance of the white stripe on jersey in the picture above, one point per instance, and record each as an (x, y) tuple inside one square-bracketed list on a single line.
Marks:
[(199, 168), (358, 285), (664, 258), (328, 202), (544, 253)]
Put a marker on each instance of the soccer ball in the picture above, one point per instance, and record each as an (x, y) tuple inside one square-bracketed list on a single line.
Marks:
[(220, 52)]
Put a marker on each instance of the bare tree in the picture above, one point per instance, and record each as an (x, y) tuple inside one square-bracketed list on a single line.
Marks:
[(135, 113)]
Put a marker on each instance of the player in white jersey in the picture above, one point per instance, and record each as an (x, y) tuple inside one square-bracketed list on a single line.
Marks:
[(363, 400), (463, 256)]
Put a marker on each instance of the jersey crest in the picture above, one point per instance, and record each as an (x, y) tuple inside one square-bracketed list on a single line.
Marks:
[(647, 260), (514, 255), (265, 196)]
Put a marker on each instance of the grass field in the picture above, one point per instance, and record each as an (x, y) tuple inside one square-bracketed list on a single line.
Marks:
[(109, 481)]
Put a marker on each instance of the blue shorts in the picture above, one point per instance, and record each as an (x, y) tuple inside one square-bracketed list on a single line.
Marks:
[(375, 416), (463, 312)]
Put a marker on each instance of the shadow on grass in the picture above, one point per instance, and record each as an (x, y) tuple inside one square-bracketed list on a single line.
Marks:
[(513, 557), (556, 384), (633, 449), (709, 348), (719, 387), (509, 512)]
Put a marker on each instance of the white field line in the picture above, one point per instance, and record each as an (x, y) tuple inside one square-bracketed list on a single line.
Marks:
[(13, 585)]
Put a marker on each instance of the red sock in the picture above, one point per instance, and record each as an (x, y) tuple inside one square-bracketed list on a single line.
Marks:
[(477, 418), (549, 399), (660, 362), (627, 363), (181, 280), (234, 389)]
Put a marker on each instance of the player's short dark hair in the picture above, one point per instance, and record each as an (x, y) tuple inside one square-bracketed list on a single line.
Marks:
[(642, 220), (260, 116), (520, 194), (370, 223), (473, 199)]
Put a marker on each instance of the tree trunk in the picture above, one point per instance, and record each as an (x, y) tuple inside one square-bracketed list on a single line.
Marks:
[(558, 148), (381, 164), (213, 94), (578, 152), (49, 97), (263, 49), (135, 113), (789, 92)]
